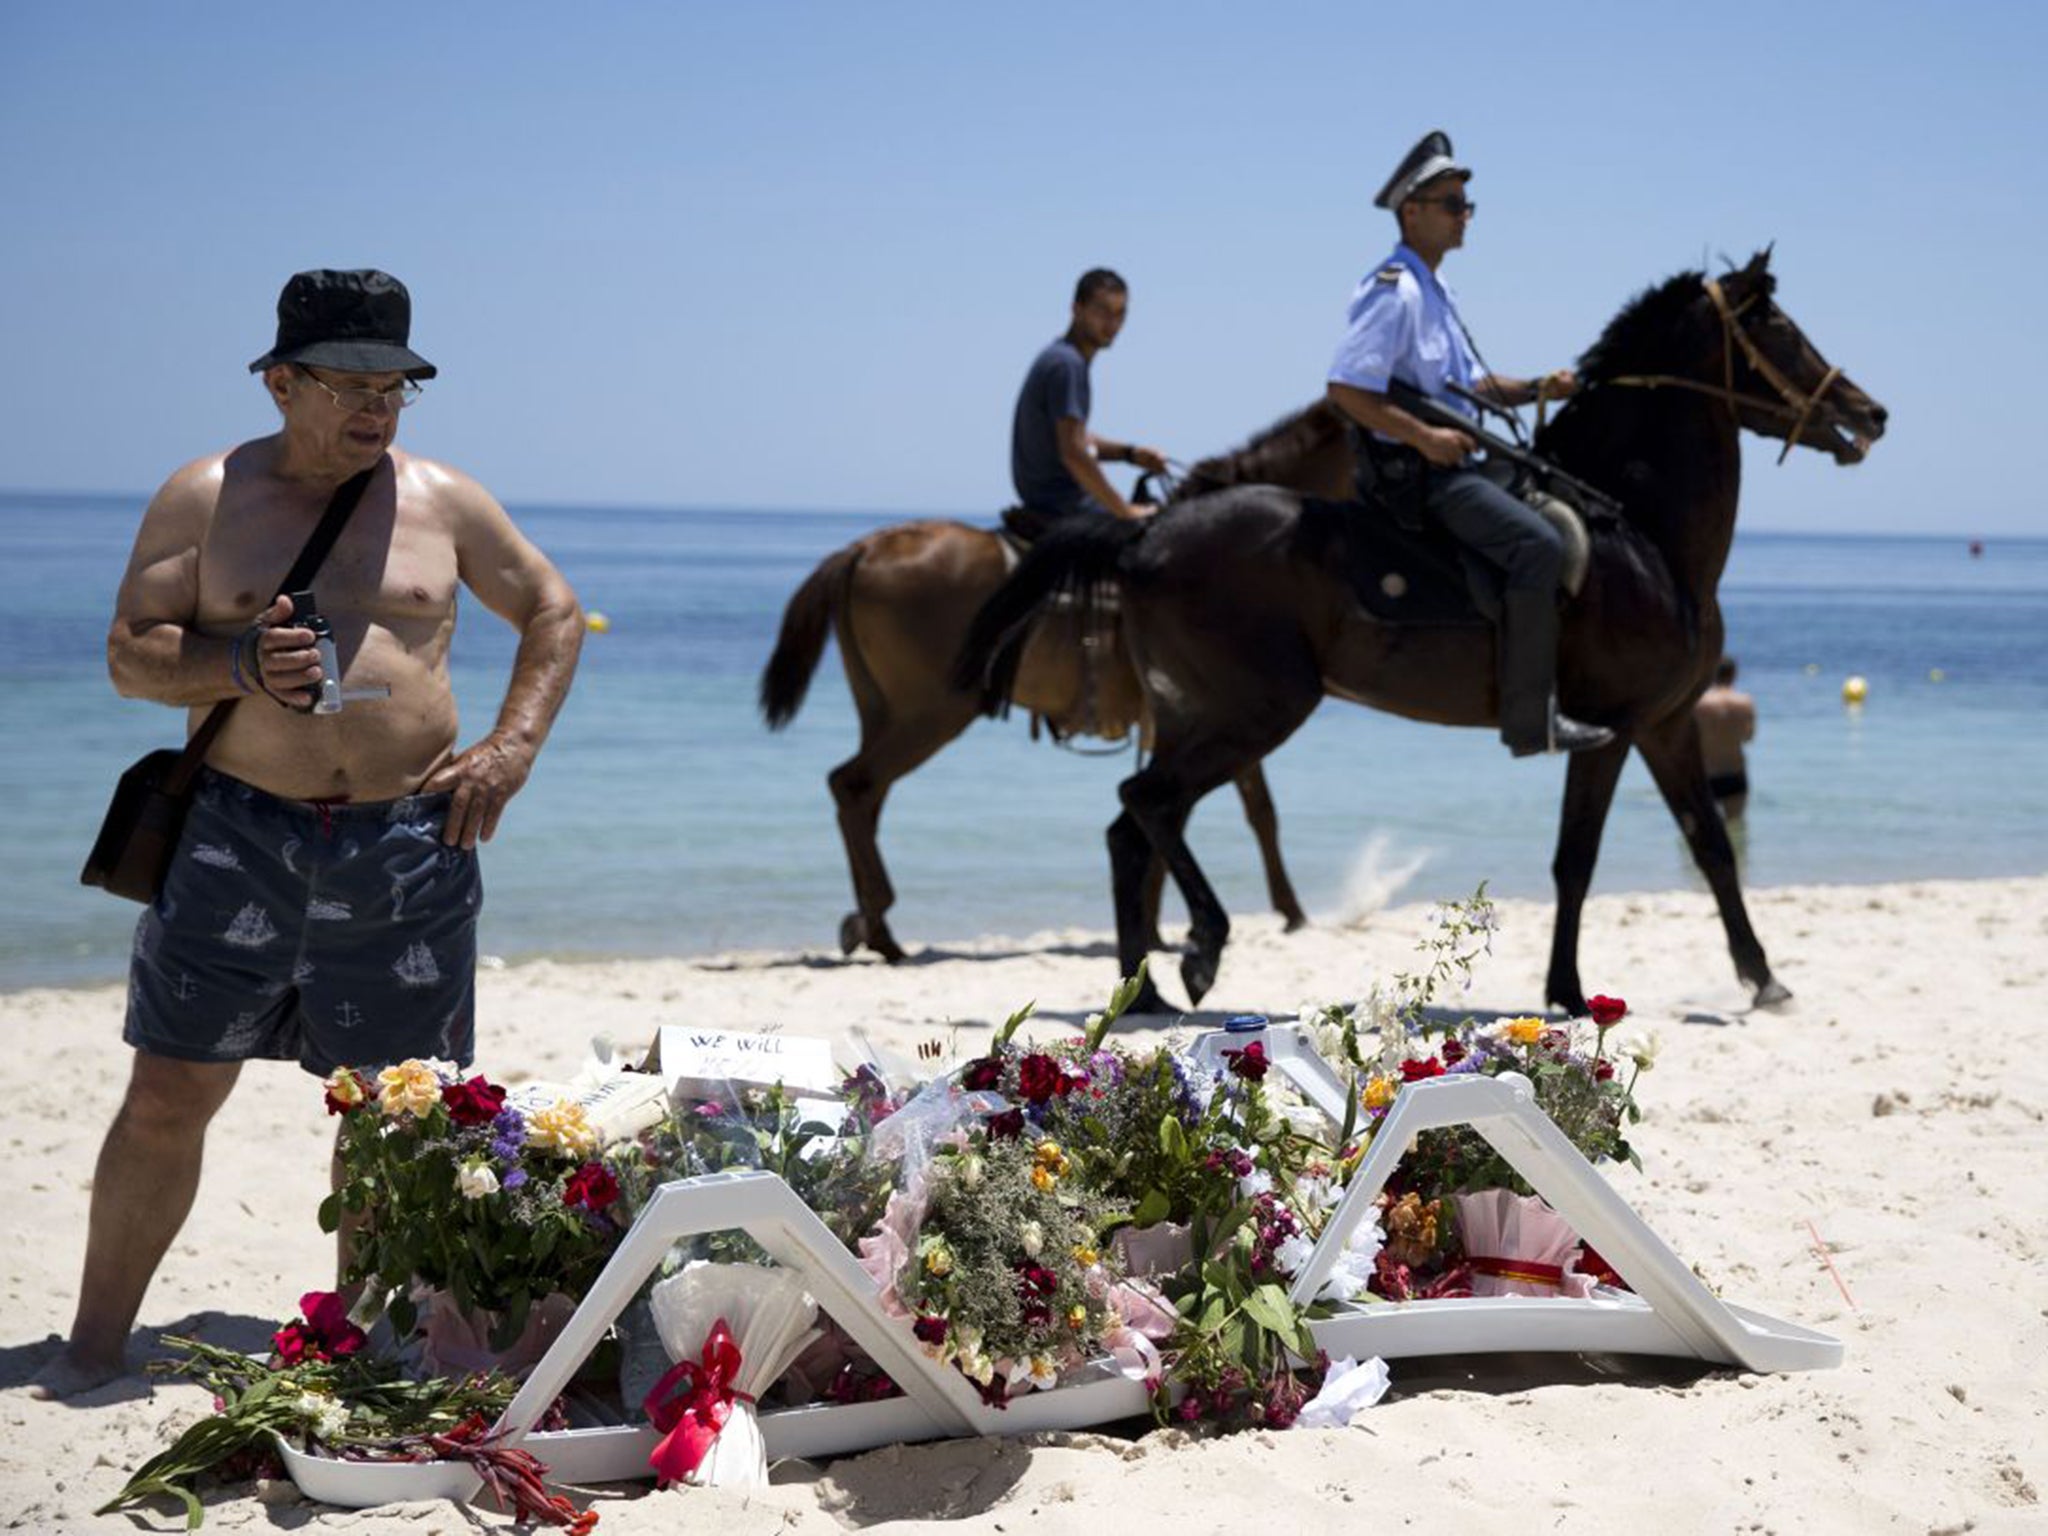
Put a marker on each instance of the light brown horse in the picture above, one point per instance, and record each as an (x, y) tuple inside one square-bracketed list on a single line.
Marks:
[(900, 601)]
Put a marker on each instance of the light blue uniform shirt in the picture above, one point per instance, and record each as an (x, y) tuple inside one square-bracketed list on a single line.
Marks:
[(1403, 324)]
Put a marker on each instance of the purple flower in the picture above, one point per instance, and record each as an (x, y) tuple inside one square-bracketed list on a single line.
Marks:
[(513, 1179), (508, 1135)]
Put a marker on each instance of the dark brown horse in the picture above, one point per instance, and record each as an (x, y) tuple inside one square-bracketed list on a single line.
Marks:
[(1241, 614), (899, 602)]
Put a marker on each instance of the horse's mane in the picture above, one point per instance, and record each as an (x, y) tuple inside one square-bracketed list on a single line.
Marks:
[(1638, 340), (1290, 438)]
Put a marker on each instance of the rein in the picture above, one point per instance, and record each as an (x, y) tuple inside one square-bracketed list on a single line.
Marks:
[(1791, 401)]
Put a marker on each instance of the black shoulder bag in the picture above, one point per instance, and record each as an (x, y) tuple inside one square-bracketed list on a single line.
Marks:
[(133, 851)]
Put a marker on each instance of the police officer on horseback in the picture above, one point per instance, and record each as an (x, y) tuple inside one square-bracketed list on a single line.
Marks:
[(1403, 330)]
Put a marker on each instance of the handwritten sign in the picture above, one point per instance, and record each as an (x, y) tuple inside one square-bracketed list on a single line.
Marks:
[(699, 1063), (621, 1106)]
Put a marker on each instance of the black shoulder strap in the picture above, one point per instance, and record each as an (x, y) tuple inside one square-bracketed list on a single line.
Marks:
[(346, 495)]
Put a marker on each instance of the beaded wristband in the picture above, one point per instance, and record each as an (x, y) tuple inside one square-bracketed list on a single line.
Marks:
[(235, 659)]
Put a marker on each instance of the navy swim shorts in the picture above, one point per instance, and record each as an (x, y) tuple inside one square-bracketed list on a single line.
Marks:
[(330, 935)]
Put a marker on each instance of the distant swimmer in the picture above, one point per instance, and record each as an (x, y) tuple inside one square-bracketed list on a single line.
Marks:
[(1727, 719)]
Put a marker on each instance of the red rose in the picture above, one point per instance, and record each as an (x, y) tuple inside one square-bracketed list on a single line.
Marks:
[(1009, 1123), (327, 1316), (592, 1187), (1453, 1051), (1602, 1071), (1249, 1063), (475, 1102), (1414, 1071), (983, 1074), (1038, 1078), (294, 1342), (931, 1330), (1555, 1040), (356, 1092), (1606, 1011)]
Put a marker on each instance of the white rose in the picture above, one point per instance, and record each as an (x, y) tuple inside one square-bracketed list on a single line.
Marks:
[(476, 1180), (1032, 1236)]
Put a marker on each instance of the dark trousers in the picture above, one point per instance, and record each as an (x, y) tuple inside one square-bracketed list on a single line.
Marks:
[(1502, 529)]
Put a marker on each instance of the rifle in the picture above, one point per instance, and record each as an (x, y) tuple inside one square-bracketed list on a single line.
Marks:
[(1437, 414)]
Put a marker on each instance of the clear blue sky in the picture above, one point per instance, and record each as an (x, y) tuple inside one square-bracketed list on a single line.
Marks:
[(774, 255)]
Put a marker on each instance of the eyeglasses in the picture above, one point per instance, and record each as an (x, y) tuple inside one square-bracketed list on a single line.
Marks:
[(398, 397), (1456, 207)]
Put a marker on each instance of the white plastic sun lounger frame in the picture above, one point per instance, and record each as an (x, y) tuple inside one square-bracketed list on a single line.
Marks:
[(1672, 1313)]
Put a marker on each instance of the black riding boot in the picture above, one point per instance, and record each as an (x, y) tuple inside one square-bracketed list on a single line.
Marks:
[(1529, 721)]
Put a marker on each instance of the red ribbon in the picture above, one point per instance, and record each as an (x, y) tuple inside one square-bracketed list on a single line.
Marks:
[(1525, 1270), (691, 1404)]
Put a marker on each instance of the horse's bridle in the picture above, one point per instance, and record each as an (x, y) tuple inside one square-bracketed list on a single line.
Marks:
[(1791, 401)]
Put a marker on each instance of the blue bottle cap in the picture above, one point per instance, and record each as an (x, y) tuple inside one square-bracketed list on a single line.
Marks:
[(1244, 1023)]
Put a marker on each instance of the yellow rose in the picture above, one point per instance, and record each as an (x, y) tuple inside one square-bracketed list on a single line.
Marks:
[(410, 1088), (1087, 1257), (939, 1261), (562, 1128), (1526, 1031), (1380, 1091), (1077, 1318), (1042, 1178)]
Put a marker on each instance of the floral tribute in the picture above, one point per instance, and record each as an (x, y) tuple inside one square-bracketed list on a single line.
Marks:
[(455, 1190), (1584, 1078), (1036, 1211), (323, 1390)]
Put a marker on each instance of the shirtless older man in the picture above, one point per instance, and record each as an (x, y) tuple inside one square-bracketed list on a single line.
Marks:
[(322, 904)]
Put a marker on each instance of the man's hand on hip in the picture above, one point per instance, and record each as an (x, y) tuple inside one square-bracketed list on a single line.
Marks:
[(479, 782)]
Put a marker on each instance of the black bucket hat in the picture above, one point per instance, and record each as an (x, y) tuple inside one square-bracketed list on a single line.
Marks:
[(353, 322)]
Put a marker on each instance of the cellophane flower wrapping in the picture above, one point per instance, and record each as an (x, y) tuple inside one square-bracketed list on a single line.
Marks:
[(771, 1318), (1521, 1235)]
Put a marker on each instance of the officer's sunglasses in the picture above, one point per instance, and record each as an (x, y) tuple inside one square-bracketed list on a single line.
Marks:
[(1455, 205)]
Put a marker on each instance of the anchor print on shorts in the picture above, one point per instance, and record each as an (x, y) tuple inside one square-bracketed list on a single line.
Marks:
[(416, 967), (347, 1016), (251, 929)]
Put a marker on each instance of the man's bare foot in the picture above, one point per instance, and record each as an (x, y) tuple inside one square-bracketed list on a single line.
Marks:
[(68, 1376)]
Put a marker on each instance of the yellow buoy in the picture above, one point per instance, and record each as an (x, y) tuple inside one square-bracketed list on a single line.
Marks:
[(1854, 690), (1813, 669), (1936, 675), (596, 622)]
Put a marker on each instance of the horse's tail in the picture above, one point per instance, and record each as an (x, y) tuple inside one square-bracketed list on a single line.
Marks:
[(1072, 555), (805, 623)]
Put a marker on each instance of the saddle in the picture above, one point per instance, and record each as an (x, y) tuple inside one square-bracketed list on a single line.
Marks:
[(1407, 570), (1087, 624)]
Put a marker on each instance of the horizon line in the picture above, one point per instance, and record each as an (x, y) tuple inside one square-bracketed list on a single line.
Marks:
[(903, 514)]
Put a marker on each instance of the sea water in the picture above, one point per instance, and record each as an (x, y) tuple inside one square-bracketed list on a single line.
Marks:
[(662, 817)]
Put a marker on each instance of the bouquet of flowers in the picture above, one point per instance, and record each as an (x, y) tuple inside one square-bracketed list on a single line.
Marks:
[(458, 1190), (323, 1391), (1575, 1067)]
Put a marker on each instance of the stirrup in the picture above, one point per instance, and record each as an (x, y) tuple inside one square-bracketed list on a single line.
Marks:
[(1567, 735)]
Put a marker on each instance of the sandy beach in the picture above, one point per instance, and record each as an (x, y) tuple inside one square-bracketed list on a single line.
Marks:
[(1895, 1108)]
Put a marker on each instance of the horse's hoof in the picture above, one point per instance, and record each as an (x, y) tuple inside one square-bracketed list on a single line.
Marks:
[(853, 932), (1198, 975), (1570, 1000), (1773, 994), (1148, 1000), (1296, 921)]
